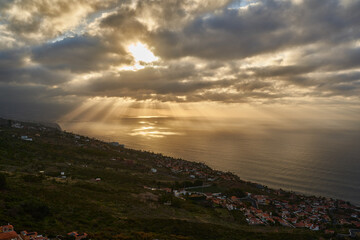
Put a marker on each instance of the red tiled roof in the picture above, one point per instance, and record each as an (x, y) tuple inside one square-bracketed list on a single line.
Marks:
[(7, 226), (327, 231), (299, 224), (356, 223), (8, 235)]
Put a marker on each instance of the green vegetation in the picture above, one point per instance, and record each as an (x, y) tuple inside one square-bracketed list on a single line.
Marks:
[(237, 192), (2, 181), (210, 189), (48, 185)]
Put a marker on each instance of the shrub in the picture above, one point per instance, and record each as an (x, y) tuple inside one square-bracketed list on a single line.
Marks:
[(32, 178), (2, 181), (36, 209), (235, 192)]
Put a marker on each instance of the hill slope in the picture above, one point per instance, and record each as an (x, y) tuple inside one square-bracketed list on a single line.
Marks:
[(58, 182)]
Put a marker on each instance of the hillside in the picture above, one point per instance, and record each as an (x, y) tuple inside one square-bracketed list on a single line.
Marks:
[(59, 182)]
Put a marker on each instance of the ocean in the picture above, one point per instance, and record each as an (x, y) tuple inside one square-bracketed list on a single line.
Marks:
[(314, 160)]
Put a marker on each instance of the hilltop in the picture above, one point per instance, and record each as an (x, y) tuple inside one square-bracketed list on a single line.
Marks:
[(57, 182)]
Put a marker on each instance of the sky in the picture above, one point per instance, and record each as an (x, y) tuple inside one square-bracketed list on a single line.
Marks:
[(103, 59)]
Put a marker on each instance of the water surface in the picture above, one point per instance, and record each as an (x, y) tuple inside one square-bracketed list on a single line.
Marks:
[(312, 160)]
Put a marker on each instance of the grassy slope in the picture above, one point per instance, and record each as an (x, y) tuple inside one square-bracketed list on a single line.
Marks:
[(118, 207)]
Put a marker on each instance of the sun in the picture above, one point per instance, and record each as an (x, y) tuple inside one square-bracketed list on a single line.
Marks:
[(141, 53)]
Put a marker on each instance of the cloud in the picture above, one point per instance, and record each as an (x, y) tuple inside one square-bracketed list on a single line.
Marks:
[(29, 102), (80, 54), (16, 67), (258, 52), (31, 21), (124, 21), (264, 27)]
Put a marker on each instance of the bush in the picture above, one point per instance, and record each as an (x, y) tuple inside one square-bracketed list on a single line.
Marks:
[(237, 192), (2, 181), (36, 209), (32, 178)]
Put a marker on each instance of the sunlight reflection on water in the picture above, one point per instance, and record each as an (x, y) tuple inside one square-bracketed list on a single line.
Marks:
[(150, 129), (320, 161)]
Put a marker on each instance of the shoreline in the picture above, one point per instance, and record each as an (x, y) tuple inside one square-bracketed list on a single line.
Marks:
[(170, 178), (251, 181), (225, 171), (290, 173)]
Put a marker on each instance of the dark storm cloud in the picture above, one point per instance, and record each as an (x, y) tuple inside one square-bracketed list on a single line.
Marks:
[(278, 71), (11, 59), (168, 84), (253, 85), (239, 97), (339, 84), (14, 69), (266, 27), (34, 75), (319, 70), (79, 54), (124, 22), (34, 102), (267, 51), (338, 59), (175, 79), (155, 87)]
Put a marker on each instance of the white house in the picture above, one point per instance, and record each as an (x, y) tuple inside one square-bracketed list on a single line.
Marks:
[(26, 138)]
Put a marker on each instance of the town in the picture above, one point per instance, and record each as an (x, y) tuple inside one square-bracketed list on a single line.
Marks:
[(199, 184), (288, 209), (7, 232)]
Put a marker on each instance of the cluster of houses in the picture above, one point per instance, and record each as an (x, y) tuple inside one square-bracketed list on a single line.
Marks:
[(299, 212), (78, 236), (315, 213), (308, 212), (7, 232), (295, 211), (19, 125), (194, 170)]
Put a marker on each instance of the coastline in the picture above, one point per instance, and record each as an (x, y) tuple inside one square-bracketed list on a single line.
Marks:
[(307, 194), (249, 181), (276, 159), (171, 182)]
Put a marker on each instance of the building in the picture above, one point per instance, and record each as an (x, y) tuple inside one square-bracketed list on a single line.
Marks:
[(9, 236), (7, 233), (24, 235), (26, 138), (78, 236), (6, 228)]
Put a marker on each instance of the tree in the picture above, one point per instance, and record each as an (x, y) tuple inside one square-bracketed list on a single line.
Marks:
[(69, 237), (235, 192), (32, 178), (2, 181), (198, 183), (36, 209)]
